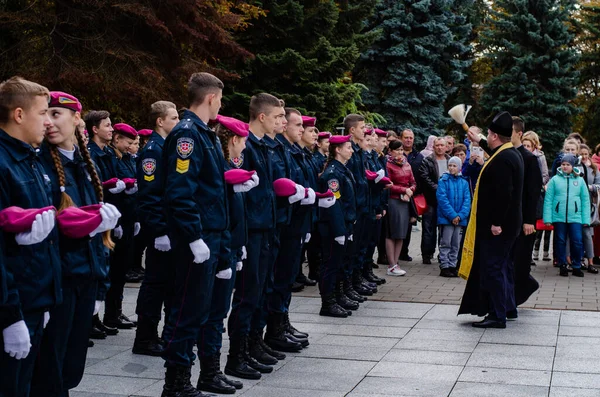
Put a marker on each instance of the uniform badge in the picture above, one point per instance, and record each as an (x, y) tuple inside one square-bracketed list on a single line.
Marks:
[(65, 101), (334, 186), (238, 161), (149, 166), (185, 147), (182, 166)]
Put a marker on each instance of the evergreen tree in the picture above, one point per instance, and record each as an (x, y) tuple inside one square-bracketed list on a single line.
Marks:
[(415, 63), (531, 48), (304, 53)]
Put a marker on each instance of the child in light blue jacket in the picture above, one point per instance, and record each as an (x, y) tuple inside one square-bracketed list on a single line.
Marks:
[(454, 205)]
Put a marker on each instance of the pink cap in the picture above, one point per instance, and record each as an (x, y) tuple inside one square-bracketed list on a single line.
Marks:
[(386, 181), (308, 121), (125, 129), (327, 194), (236, 126), (381, 133), (129, 182), (339, 139), (79, 222), (284, 187), (324, 135), (144, 132), (236, 176), (371, 175), (59, 99), (19, 220), (369, 132), (111, 183)]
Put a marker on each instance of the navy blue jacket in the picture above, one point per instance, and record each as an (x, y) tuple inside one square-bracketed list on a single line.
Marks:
[(415, 158), (260, 201), (357, 165), (282, 168), (375, 189), (238, 226), (319, 160), (340, 217), (31, 279), (151, 185), (195, 190), (106, 162), (314, 168), (86, 258), (126, 168)]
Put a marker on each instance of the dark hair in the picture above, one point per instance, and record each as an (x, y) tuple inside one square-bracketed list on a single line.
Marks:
[(577, 136), (93, 118), (518, 124), (394, 145), (352, 120), (17, 92), (201, 84), (597, 149), (290, 111), (160, 109), (459, 147), (260, 103)]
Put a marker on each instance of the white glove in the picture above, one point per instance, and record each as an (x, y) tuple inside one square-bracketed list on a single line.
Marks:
[(225, 274), (243, 187), (120, 186), (16, 340), (132, 190), (310, 199), (326, 202), (380, 175), (239, 266), (40, 229), (46, 318), (244, 253), (118, 232), (255, 179), (307, 239), (162, 243), (97, 307), (351, 237), (299, 195), (136, 228), (200, 250), (340, 240), (110, 217)]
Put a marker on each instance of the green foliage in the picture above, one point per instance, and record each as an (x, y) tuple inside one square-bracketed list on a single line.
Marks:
[(531, 49)]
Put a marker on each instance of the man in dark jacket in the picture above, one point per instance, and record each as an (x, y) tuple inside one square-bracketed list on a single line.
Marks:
[(498, 219), (428, 175)]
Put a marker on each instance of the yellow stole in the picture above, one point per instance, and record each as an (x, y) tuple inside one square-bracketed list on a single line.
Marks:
[(468, 252)]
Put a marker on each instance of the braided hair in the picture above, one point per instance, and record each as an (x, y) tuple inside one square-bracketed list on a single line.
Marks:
[(330, 155), (224, 135), (65, 200)]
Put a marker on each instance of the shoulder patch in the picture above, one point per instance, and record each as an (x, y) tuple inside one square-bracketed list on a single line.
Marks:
[(237, 162), (185, 147), (334, 185), (149, 166)]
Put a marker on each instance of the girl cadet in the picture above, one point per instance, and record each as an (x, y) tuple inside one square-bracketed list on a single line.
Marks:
[(75, 183), (336, 226)]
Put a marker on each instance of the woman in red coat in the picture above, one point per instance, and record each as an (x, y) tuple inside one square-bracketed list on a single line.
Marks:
[(398, 217)]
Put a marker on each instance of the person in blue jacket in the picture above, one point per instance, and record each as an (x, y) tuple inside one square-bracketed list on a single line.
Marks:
[(157, 285), (336, 225), (567, 208), (454, 205), (195, 198), (31, 270), (75, 183)]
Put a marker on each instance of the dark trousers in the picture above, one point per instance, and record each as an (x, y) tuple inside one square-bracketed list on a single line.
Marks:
[(191, 300), (373, 235), (285, 270), (547, 234), (525, 284), (140, 242), (314, 253), (61, 361), (331, 270), (496, 275), (250, 284), (156, 289), (572, 231), (121, 261), (362, 238), (429, 237), (381, 253), (210, 339), (352, 258), (16, 375)]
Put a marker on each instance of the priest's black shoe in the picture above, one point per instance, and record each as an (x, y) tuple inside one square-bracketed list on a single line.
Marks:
[(209, 379), (95, 333), (102, 327), (490, 323)]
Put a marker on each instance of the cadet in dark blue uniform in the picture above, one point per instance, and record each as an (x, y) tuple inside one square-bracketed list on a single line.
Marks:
[(336, 223), (32, 272), (75, 184), (232, 134), (157, 286), (122, 257), (197, 218), (322, 148)]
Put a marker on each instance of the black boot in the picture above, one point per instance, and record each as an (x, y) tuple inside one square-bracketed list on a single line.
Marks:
[(96, 333), (235, 383), (342, 299), (297, 287), (290, 328), (102, 327), (113, 315), (269, 351), (275, 336), (209, 379), (146, 339), (371, 277), (245, 345), (330, 308), (236, 362), (361, 285), (302, 279), (351, 293), (257, 352), (303, 341), (178, 383)]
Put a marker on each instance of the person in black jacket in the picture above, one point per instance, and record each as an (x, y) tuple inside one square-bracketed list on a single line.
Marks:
[(498, 218)]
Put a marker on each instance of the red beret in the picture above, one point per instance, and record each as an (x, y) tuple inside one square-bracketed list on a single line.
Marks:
[(369, 132), (111, 183), (328, 193), (79, 222), (144, 132), (339, 139), (381, 133), (60, 99), (284, 187), (126, 130), (19, 220), (308, 121), (236, 126), (236, 176), (129, 182), (324, 135), (371, 175)]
